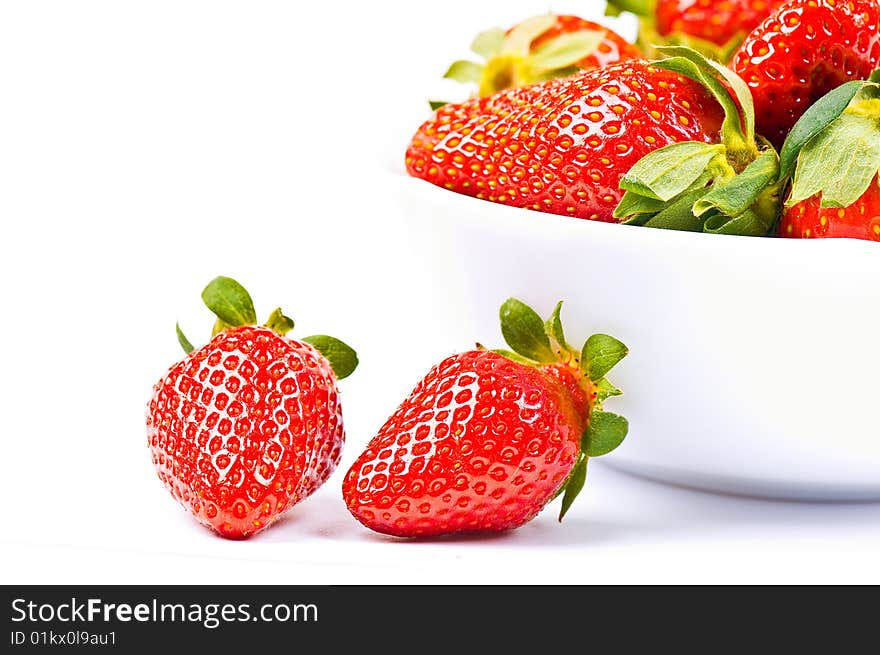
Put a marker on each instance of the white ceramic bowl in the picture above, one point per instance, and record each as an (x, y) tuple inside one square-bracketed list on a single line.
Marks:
[(754, 364)]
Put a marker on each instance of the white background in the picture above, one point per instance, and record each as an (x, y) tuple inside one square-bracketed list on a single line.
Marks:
[(147, 147)]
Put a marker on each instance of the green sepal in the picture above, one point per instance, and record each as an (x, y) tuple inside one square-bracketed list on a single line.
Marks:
[(633, 204), (436, 104), (637, 7), (600, 354), (464, 71), (342, 357), (523, 330), (520, 38), (565, 50), (279, 322), (488, 43), (509, 354), (229, 301), (573, 485), (820, 114), (679, 214), (839, 162), (553, 326), (604, 433), (735, 195), (737, 130), (668, 171), (182, 340), (604, 391)]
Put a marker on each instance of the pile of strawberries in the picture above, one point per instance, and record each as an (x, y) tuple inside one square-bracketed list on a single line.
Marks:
[(753, 118)]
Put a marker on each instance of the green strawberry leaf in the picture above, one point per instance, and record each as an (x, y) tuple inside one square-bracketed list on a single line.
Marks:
[(565, 50), (679, 214), (279, 322), (740, 144), (600, 354), (749, 224), (605, 390), (182, 340), (230, 302), (604, 433), (573, 486), (523, 330), (820, 114), (670, 170), (633, 204), (509, 354), (520, 38), (488, 43), (638, 7), (436, 104), (734, 196), (839, 162), (553, 326), (343, 359), (464, 71)]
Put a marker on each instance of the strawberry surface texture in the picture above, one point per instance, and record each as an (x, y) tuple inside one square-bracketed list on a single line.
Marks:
[(803, 50)]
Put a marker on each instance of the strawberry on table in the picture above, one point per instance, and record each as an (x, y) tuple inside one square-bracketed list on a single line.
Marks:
[(538, 49), (802, 51), (488, 438), (834, 154), (246, 426)]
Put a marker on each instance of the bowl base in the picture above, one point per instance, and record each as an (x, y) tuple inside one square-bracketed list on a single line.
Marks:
[(792, 491)]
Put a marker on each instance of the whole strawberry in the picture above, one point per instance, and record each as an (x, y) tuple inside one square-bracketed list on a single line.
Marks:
[(250, 424), (562, 146), (488, 438), (802, 51), (538, 49), (834, 154)]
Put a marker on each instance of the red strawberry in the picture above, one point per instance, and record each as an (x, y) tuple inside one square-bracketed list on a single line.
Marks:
[(250, 424), (834, 151), (562, 146), (487, 439), (539, 49), (803, 50), (723, 23)]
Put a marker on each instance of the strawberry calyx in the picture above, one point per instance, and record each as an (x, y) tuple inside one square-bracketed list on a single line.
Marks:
[(542, 344), (834, 148), (511, 61), (729, 187), (233, 307)]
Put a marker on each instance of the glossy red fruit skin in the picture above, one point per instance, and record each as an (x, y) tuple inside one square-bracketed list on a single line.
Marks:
[(612, 49), (562, 146), (861, 220), (801, 52), (245, 427), (480, 445), (712, 20)]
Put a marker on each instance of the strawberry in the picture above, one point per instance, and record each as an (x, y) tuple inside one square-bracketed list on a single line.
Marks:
[(721, 23), (488, 438), (248, 425), (803, 50), (562, 146), (713, 28), (538, 49), (834, 154)]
